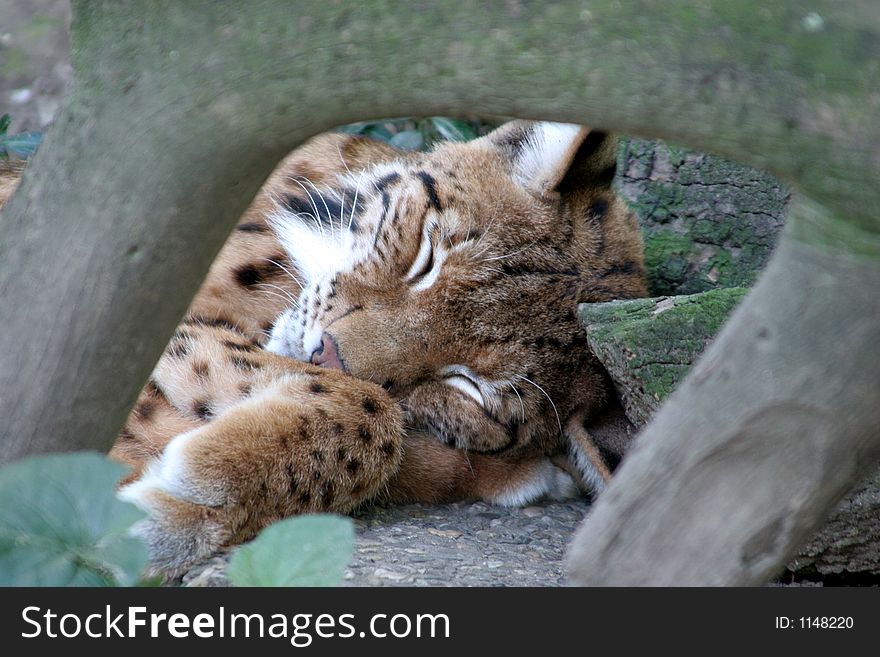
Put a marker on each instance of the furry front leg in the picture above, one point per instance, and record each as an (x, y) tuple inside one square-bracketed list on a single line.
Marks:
[(307, 443)]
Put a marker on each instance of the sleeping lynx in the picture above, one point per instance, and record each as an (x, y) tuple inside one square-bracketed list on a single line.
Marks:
[(388, 325)]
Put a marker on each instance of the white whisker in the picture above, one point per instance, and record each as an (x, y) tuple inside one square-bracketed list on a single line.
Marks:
[(324, 201), (286, 271), (521, 405), (544, 392), (284, 294), (314, 205)]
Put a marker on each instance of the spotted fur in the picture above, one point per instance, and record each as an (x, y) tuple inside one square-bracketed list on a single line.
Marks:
[(389, 325)]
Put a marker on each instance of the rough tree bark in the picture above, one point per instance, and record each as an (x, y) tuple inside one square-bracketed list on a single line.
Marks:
[(649, 345), (181, 109), (707, 222)]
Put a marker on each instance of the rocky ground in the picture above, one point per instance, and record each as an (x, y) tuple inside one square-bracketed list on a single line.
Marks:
[(451, 545)]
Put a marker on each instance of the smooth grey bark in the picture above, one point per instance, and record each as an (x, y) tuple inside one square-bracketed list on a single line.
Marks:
[(181, 109)]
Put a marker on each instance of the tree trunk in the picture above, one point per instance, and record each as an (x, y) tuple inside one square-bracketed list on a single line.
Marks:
[(649, 345), (181, 108), (764, 437), (707, 222)]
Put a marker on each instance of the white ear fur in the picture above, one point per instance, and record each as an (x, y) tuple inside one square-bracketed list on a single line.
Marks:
[(546, 153)]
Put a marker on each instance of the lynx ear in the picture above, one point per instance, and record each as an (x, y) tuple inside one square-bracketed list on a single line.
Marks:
[(546, 157)]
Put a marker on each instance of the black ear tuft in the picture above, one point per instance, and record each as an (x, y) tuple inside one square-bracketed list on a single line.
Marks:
[(594, 164)]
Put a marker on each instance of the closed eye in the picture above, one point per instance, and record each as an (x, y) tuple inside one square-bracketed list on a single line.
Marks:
[(426, 267), (466, 386), (424, 261)]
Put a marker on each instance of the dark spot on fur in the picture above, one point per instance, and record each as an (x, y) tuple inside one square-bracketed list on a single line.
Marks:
[(431, 189), (248, 275), (388, 448), (317, 388), (253, 227), (244, 364), (338, 429), (341, 454), (178, 349), (126, 435), (386, 207), (318, 455), (245, 389), (201, 369), (333, 208), (217, 322), (239, 346), (305, 498), (327, 496), (316, 475), (364, 434), (353, 465), (388, 384), (202, 409), (598, 208), (154, 390), (296, 205), (513, 141), (181, 334), (369, 405), (383, 182)]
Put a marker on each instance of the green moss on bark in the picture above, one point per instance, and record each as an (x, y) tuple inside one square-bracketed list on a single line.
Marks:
[(707, 222), (648, 345)]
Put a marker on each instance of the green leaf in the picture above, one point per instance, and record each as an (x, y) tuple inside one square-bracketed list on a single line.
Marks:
[(5, 120), (410, 140), (22, 145), (453, 129), (62, 525), (311, 550)]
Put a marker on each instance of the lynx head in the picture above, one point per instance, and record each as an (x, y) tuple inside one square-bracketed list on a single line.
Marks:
[(452, 278)]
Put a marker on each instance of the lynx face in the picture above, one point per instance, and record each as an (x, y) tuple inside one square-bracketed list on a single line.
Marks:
[(452, 279)]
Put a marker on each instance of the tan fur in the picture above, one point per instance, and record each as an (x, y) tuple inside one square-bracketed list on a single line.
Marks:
[(260, 436)]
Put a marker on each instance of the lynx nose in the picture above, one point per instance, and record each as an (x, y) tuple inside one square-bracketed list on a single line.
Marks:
[(327, 355)]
